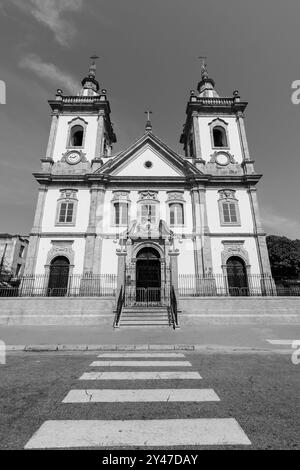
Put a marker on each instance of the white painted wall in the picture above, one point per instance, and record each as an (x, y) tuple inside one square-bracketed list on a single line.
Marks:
[(46, 245), (163, 208), (61, 141), (82, 216), (186, 260), (232, 132), (249, 245), (135, 166), (109, 260), (214, 223)]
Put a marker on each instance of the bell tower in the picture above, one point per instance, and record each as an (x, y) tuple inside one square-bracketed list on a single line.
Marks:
[(81, 134), (214, 137)]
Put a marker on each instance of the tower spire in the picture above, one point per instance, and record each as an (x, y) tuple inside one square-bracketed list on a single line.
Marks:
[(148, 123), (89, 83), (206, 86)]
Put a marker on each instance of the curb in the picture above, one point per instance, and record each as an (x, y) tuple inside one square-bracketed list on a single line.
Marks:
[(141, 347)]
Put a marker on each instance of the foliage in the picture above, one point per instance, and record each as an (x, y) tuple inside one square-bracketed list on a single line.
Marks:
[(284, 257)]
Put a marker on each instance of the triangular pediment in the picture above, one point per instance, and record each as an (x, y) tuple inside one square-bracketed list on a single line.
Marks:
[(148, 157)]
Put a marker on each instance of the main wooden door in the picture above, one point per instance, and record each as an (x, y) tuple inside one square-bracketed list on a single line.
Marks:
[(237, 277), (59, 277), (148, 276)]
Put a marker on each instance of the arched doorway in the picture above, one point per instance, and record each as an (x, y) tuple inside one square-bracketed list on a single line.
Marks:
[(237, 276), (148, 276), (59, 276)]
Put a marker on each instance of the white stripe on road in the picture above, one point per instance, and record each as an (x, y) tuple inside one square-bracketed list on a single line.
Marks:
[(139, 395), (147, 433), (283, 342), (141, 364), (124, 355), (140, 375)]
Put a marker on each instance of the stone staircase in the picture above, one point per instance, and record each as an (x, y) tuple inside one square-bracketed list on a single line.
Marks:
[(145, 316)]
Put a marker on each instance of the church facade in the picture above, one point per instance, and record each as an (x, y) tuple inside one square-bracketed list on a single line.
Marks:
[(148, 216)]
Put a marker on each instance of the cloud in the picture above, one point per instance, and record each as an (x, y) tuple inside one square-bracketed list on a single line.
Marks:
[(50, 13), (50, 72)]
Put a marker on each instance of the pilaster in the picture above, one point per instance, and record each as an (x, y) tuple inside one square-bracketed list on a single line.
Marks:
[(206, 241), (197, 231), (35, 232), (52, 136)]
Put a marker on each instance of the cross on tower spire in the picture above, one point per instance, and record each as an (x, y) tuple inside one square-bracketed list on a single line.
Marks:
[(148, 123), (204, 73)]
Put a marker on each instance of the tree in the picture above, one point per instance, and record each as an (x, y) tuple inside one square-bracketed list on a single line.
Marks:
[(284, 257)]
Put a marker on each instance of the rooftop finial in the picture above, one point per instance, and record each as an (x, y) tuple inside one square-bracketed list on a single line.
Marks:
[(148, 123), (92, 70), (204, 73)]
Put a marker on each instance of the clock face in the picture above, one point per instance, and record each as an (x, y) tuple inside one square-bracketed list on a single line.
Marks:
[(73, 158), (222, 159)]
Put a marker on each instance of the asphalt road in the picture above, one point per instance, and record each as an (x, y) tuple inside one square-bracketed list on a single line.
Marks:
[(260, 391)]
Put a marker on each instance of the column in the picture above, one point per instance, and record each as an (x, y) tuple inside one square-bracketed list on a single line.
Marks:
[(34, 239), (93, 244), (96, 162), (121, 253), (206, 242), (173, 254), (247, 162), (260, 236), (197, 232), (52, 135)]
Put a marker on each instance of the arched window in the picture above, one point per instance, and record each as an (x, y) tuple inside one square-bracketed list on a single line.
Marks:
[(176, 214), (66, 207), (121, 213), (76, 136), (220, 137)]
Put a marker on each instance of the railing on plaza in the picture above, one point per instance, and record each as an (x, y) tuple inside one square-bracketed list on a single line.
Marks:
[(148, 297), (86, 285), (210, 285)]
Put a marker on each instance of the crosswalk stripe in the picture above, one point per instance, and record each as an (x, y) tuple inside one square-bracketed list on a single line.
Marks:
[(141, 364), (141, 395), (156, 375), (283, 342), (144, 433), (132, 354)]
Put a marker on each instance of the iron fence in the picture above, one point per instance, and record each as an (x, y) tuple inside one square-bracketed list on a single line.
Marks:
[(87, 285), (190, 285), (150, 296)]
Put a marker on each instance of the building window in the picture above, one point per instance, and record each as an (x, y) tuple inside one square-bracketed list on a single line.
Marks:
[(76, 138), (121, 213), (148, 213), (148, 207), (21, 252), (176, 214), (120, 208), (18, 270), (228, 208), (66, 207), (76, 133), (219, 136)]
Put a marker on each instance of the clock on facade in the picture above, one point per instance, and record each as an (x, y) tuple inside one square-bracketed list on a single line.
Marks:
[(222, 159), (73, 158)]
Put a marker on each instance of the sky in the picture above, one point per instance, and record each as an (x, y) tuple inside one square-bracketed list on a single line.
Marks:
[(149, 59)]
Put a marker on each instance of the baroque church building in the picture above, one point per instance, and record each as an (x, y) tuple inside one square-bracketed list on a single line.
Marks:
[(148, 218)]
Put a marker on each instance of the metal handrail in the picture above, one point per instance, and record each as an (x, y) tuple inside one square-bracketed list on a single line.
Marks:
[(120, 304)]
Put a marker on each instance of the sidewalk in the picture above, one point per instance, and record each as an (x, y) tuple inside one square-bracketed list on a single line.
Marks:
[(92, 337)]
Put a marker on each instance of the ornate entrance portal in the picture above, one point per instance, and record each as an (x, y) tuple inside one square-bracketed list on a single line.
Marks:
[(148, 276), (237, 277), (59, 276)]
